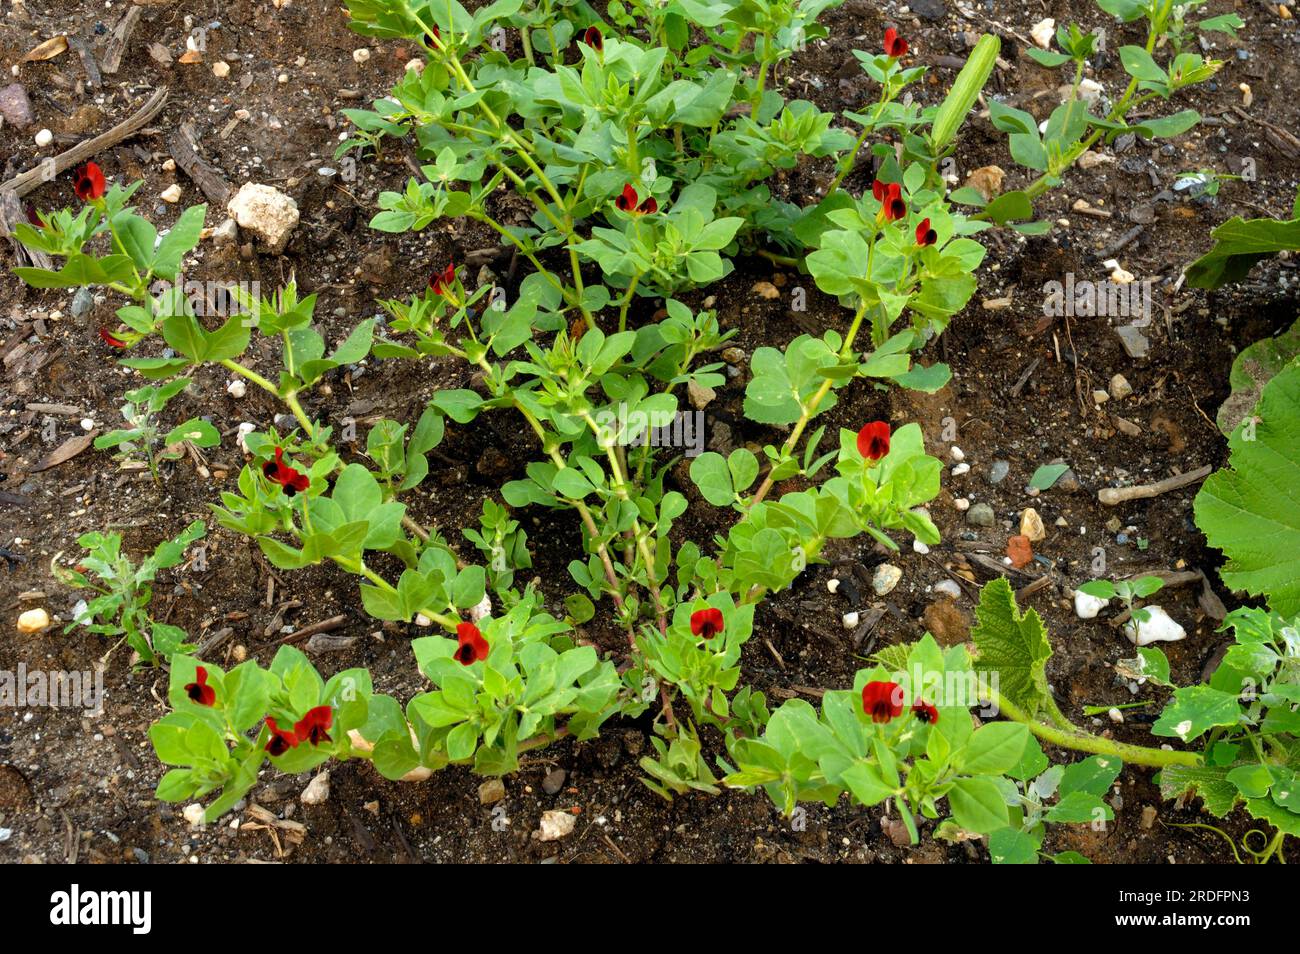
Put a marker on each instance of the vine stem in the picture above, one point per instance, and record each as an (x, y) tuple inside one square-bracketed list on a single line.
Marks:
[(1075, 738), (810, 408)]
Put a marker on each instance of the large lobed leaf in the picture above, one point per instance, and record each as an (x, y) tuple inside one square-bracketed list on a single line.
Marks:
[(1251, 510), (1012, 646)]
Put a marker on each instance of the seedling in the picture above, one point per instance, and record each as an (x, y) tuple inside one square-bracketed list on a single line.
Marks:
[(124, 591)]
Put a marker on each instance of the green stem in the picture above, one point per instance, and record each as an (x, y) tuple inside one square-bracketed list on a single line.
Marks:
[(1075, 738)]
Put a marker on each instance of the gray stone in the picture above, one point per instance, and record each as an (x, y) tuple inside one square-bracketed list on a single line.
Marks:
[(554, 781), (1135, 343), (998, 472), (980, 515), (928, 9), (15, 107)]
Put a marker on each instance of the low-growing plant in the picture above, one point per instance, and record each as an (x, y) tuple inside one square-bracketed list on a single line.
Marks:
[(648, 161), (1126, 591), (142, 433), (121, 608)]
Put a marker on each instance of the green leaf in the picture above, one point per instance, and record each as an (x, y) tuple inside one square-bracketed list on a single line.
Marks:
[(1013, 646), (1251, 370), (1047, 475), (1210, 782), (1238, 245), (1093, 775), (1011, 846), (1251, 510), (1195, 710), (977, 805), (993, 749), (711, 475), (1141, 65)]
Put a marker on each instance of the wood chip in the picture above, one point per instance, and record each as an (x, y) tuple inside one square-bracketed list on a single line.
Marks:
[(54, 46), (116, 44), (66, 451)]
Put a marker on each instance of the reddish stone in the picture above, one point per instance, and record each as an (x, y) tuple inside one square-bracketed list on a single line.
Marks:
[(1019, 550)]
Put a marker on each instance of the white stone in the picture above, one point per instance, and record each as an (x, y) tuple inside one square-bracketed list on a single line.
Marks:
[(555, 825), (956, 453), (317, 791), (422, 620), (1158, 627), (886, 578), (482, 609), (193, 814), (33, 621), (171, 194), (919, 547), (361, 55), (44, 138), (221, 69), (1043, 31), (1115, 715), (242, 432), (87, 424), (948, 588), (266, 212), (833, 584), (961, 469), (1087, 606), (962, 503), (850, 619), (1031, 525), (237, 388)]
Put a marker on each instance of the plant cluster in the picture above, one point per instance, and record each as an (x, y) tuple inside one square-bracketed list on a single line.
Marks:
[(645, 146)]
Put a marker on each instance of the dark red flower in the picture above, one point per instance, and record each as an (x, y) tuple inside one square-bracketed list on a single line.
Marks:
[(629, 201), (895, 45), (441, 281), (926, 235), (473, 647), (199, 691), (314, 726), (88, 182), (594, 38), (925, 712), (706, 622), (890, 197), (280, 741), (882, 700), (293, 481), (110, 339), (33, 216), (873, 440)]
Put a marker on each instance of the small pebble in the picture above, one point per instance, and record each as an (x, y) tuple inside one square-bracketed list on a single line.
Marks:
[(171, 194), (221, 69), (237, 388), (980, 515), (948, 588), (44, 138), (961, 469), (886, 578), (850, 619), (33, 621)]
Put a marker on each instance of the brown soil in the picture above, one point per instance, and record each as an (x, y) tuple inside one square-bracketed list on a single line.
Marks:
[(75, 786)]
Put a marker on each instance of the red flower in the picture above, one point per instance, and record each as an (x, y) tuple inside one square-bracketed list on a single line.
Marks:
[(110, 339), (280, 740), (627, 202), (293, 481), (895, 45), (890, 197), (925, 712), (473, 647), (873, 440), (88, 182), (882, 700), (441, 281), (33, 216), (199, 691), (594, 38), (924, 234), (706, 622), (314, 726)]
